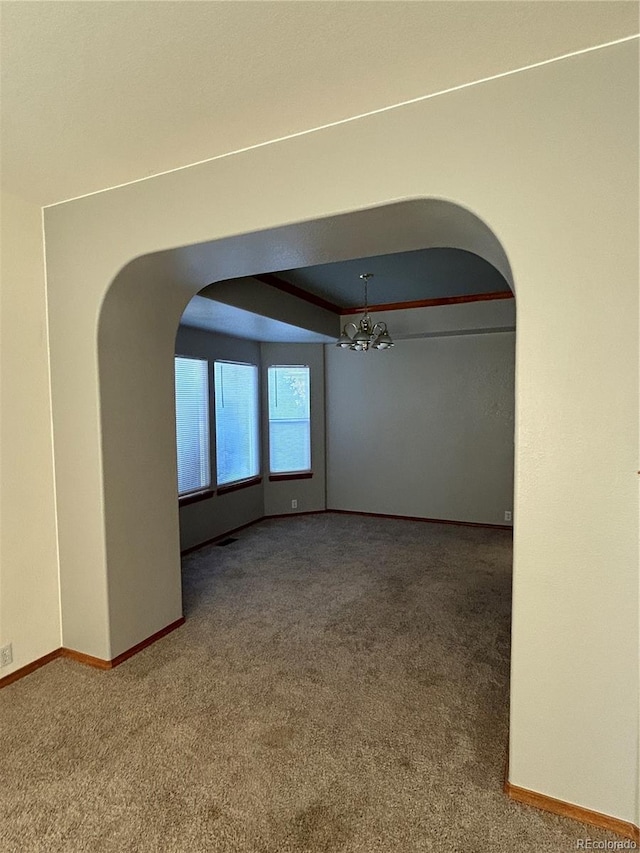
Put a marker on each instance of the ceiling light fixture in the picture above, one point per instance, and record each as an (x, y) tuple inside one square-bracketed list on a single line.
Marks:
[(367, 334)]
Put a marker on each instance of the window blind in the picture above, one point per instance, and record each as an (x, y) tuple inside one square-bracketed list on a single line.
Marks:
[(289, 419), (192, 424), (237, 431)]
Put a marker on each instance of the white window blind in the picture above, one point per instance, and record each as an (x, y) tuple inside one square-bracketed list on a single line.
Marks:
[(289, 419), (192, 424), (237, 433)]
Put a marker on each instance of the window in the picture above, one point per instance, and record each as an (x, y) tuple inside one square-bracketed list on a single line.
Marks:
[(192, 425), (289, 419), (237, 434)]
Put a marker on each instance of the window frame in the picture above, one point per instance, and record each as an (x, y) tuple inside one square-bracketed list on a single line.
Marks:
[(254, 479), (202, 492), (298, 474)]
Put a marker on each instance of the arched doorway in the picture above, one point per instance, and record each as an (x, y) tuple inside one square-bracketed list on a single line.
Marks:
[(136, 331)]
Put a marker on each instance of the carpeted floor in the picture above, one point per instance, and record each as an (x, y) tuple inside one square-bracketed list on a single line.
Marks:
[(341, 684)]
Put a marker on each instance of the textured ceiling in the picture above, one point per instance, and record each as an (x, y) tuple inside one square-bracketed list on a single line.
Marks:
[(402, 277), (95, 94)]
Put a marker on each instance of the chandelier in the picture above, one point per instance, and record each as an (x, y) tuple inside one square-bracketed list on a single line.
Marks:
[(367, 334)]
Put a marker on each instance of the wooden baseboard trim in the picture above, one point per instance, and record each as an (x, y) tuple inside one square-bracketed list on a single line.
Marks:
[(101, 663), (148, 642), (573, 812), (89, 660), (29, 668), (295, 514), (224, 535), (422, 518)]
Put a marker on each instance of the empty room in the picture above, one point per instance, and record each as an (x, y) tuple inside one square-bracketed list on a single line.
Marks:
[(365, 658), (319, 426)]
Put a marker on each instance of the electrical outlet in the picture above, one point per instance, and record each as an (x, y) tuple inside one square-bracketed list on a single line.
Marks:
[(507, 515), (6, 655), (294, 504)]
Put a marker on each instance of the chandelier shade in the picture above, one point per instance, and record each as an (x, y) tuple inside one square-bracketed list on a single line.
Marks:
[(367, 334)]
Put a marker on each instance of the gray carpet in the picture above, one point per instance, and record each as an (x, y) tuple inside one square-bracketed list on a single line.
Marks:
[(341, 684)]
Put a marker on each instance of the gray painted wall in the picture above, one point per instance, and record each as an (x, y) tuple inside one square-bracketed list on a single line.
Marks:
[(310, 494), (423, 430), (259, 298), (217, 515)]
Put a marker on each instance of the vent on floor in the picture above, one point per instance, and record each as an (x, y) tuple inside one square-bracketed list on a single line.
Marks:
[(226, 541)]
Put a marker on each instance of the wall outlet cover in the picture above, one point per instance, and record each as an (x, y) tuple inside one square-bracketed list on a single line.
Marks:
[(6, 655), (507, 515)]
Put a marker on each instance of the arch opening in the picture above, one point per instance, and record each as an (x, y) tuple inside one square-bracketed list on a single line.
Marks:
[(136, 334)]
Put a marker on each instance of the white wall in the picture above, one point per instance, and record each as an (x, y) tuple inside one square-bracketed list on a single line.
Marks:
[(29, 602), (210, 518), (424, 429), (552, 167), (310, 494)]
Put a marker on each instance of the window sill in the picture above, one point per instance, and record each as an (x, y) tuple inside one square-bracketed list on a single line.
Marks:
[(195, 497), (241, 484), (300, 475)]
